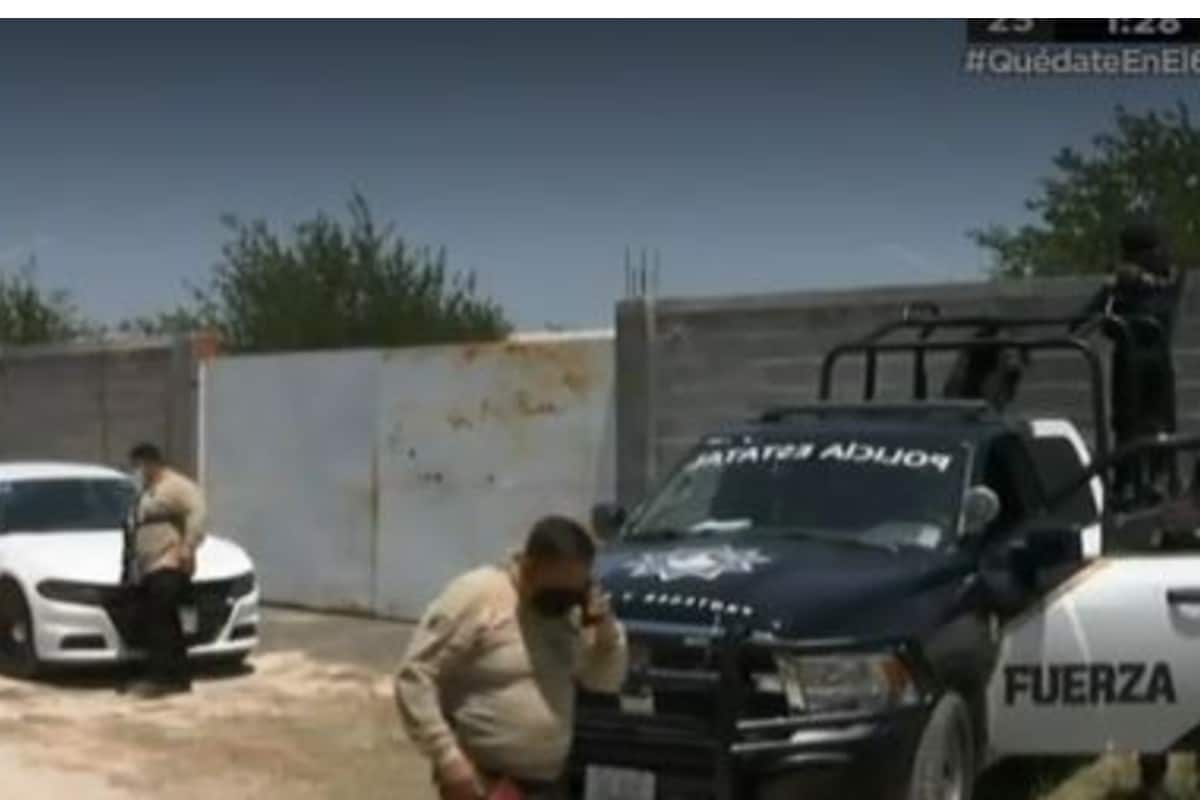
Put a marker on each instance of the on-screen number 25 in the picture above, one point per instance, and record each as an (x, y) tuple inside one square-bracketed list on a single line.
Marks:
[(1011, 25)]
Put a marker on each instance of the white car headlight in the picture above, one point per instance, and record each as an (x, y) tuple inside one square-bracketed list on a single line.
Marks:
[(243, 585), (865, 682)]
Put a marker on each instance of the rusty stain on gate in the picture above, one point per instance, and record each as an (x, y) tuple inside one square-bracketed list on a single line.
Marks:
[(539, 373), (493, 436)]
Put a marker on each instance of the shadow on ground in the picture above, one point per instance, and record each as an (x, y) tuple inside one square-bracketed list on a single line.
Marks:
[(1027, 779), (115, 678)]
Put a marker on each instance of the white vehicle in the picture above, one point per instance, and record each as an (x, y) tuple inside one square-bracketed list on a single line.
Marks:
[(61, 602)]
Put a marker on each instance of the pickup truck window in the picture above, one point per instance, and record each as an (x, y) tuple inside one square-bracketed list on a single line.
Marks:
[(894, 491), (1008, 472), (1057, 463)]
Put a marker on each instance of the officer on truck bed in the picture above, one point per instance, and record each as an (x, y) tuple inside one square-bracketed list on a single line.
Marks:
[(1145, 290), (987, 371)]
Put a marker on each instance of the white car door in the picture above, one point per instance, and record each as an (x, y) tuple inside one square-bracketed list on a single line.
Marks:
[(1110, 659)]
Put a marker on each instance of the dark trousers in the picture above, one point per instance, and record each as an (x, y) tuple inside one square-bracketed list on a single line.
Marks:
[(540, 793), (530, 790), (1143, 399), (543, 791), (1154, 769), (163, 592)]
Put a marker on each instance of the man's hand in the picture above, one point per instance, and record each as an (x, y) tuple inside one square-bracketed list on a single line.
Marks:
[(458, 780), (186, 556), (1127, 274), (599, 610)]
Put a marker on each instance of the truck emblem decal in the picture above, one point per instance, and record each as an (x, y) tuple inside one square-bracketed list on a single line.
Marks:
[(1089, 684), (706, 563)]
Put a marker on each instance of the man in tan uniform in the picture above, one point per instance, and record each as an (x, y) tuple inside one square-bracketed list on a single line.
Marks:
[(168, 523), (487, 687)]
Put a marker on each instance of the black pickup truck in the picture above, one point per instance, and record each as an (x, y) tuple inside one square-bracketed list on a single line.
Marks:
[(880, 600)]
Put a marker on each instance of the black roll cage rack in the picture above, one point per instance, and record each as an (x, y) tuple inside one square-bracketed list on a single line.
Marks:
[(990, 331), (1101, 467)]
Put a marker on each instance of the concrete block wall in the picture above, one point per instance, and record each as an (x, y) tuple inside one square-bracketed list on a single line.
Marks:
[(686, 366), (92, 402)]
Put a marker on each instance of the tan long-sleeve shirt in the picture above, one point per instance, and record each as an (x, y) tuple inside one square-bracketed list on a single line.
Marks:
[(171, 512), (485, 679)]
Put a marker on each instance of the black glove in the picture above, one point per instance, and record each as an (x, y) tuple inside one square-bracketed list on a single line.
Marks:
[(1129, 275)]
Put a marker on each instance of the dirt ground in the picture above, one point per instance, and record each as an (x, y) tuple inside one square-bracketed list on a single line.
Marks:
[(311, 718), (1111, 778)]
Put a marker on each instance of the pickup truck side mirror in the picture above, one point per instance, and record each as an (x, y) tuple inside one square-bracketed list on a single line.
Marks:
[(981, 506), (1012, 578), (607, 519), (1041, 548)]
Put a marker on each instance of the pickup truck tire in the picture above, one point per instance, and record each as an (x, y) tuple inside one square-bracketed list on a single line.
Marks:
[(944, 765)]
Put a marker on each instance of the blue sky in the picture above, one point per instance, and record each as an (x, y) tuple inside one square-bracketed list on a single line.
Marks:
[(754, 156)]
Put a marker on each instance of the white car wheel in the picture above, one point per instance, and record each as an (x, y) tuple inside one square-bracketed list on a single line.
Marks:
[(18, 651)]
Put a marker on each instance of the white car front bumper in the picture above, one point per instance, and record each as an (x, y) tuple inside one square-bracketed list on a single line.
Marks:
[(72, 633)]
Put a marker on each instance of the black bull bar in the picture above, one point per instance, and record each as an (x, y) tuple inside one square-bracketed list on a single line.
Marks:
[(716, 750)]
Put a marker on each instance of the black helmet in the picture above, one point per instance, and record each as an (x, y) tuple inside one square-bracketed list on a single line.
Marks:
[(1144, 243)]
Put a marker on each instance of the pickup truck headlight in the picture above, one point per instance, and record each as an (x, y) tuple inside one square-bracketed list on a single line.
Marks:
[(859, 682)]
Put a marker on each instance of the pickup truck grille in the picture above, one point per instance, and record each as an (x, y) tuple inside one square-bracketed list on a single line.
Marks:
[(685, 680), (683, 732)]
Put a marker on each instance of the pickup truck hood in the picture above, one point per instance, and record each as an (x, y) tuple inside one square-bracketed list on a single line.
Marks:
[(95, 557), (789, 587)]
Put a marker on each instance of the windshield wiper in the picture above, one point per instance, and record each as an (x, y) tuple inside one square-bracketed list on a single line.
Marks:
[(671, 534), (659, 534)]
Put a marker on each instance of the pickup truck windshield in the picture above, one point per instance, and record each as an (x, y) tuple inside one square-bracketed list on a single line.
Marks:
[(892, 491)]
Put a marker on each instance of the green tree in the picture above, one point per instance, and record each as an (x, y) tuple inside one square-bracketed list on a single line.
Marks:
[(30, 314), (181, 321), (332, 284), (1148, 163)]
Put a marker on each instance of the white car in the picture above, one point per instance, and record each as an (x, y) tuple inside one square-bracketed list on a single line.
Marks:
[(61, 601)]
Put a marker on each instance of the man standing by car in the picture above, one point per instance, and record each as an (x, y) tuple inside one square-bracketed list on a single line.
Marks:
[(168, 521), (487, 687)]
